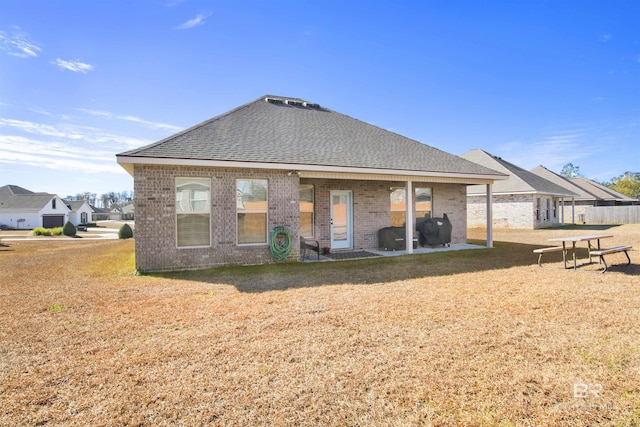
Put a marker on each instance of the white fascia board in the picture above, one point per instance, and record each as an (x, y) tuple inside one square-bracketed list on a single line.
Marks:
[(128, 162), (518, 193)]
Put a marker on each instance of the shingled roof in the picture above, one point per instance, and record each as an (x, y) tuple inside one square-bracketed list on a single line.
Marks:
[(600, 191), (520, 180), (15, 198), (586, 189), (276, 131), (581, 193)]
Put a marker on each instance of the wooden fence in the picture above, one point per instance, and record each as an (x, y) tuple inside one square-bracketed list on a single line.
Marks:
[(613, 215)]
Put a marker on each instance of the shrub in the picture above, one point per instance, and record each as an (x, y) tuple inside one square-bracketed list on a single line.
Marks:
[(69, 229), (41, 231), (125, 232)]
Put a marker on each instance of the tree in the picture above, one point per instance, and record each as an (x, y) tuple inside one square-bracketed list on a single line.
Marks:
[(87, 197), (627, 183), (570, 171)]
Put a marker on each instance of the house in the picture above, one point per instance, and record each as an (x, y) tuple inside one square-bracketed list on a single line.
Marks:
[(524, 200), (214, 193), (99, 214), (23, 209), (128, 212), (115, 214), (80, 211), (589, 193)]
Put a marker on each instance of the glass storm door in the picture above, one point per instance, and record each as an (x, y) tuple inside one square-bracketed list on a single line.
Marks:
[(341, 220)]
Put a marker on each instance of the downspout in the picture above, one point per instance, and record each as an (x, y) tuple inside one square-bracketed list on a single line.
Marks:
[(489, 216), (409, 223)]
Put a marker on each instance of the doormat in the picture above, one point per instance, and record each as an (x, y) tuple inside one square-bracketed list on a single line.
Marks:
[(350, 255)]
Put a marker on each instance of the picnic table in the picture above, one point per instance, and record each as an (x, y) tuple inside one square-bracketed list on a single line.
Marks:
[(575, 239), (594, 250)]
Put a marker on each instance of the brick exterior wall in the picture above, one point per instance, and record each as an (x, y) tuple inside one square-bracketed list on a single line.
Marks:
[(516, 211), (155, 232)]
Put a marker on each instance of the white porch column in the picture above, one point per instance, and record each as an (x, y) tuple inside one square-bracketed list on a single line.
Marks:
[(573, 211), (562, 204), (489, 216), (409, 223)]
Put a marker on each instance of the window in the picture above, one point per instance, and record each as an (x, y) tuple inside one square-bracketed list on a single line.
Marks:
[(306, 211), (53, 203), (251, 207), (422, 203), (555, 208), (537, 209), (193, 212), (548, 210), (398, 207)]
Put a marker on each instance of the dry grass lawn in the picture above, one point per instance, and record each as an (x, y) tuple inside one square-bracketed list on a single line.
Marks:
[(474, 338)]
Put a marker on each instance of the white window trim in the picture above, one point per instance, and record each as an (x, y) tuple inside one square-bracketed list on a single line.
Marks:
[(193, 213), (266, 212), (313, 210)]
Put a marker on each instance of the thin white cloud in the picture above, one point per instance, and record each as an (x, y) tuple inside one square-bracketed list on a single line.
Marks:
[(133, 119), (51, 155), (74, 133), (18, 43), (606, 38), (198, 20), (552, 151), (75, 66)]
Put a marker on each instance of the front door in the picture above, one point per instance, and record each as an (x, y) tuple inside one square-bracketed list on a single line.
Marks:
[(341, 219)]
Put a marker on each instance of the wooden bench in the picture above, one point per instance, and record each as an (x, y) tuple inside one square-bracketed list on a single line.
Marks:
[(607, 251), (542, 251), (306, 244)]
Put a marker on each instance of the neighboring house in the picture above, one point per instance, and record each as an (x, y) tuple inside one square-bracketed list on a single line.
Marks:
[(24, 209), (524, 200), (589, 193), (127, 212), (80, 211), (115, 214), (213, 194), (99, 214)]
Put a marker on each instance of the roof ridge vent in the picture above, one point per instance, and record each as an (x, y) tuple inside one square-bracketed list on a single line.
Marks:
[(310, 105), (271, 100), (294, 103)]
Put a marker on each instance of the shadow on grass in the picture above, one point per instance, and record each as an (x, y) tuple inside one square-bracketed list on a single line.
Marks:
[(269, 277)]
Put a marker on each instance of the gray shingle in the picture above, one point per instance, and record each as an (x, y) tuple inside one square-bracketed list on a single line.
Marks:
[(520, 180), (304, 134), (13, 197)]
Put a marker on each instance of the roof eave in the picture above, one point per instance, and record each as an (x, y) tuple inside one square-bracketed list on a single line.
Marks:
[(309, 171)]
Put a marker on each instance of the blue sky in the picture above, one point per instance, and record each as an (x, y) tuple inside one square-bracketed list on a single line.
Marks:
[(534, 82)]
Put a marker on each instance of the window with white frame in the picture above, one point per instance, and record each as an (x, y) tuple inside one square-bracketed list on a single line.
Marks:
[(193, 212), (398, 206), (306, 211), (251, 207), (422, 204)]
